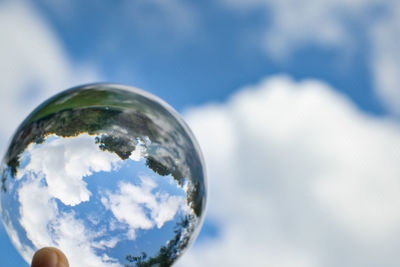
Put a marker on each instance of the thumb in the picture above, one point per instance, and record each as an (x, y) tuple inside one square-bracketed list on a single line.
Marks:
[(49, 257)]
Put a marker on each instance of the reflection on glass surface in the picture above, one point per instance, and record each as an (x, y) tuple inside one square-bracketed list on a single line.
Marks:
[(108, 174)]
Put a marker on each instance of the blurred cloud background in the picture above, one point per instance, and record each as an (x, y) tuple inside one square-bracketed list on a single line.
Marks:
[(296, 105)]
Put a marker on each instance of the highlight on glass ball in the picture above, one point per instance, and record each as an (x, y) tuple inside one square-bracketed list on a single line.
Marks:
[(109, 174)]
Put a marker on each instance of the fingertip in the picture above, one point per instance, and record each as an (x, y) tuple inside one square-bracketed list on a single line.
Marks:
[(49, 257)]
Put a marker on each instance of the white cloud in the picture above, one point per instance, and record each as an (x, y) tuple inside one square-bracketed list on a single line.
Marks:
[(110, 243), (33, 64), (330, 23), (46, 226), (138, 199), (64, 169), (77, 241), (37, 210), (298, 177)]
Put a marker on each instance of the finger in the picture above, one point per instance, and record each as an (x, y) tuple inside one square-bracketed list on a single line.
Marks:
[(49, 257)]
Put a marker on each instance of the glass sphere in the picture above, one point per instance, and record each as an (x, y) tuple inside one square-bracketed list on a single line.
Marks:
[(109, 174)]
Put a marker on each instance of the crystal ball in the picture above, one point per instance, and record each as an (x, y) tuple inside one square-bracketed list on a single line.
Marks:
[(109, 174)]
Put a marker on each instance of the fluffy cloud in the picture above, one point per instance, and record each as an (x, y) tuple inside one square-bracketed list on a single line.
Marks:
[(303, 179), (138, 199), (77, 240), (37, 210), (64, 169), (33, 64), (45, 225), (294, 24)]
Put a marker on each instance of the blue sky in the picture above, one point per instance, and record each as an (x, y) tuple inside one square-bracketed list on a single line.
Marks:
[(214, 53), (303, 99)]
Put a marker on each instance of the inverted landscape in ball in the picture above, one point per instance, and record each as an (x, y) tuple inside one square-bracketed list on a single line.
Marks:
[(109, 174)]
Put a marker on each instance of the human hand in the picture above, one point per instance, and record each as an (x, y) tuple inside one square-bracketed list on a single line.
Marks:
[(49, 257)]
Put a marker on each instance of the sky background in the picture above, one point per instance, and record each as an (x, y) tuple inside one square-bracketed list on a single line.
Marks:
[(296, 105)]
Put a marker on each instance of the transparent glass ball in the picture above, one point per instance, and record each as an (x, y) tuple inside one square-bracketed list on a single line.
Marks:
[(109, 174)]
